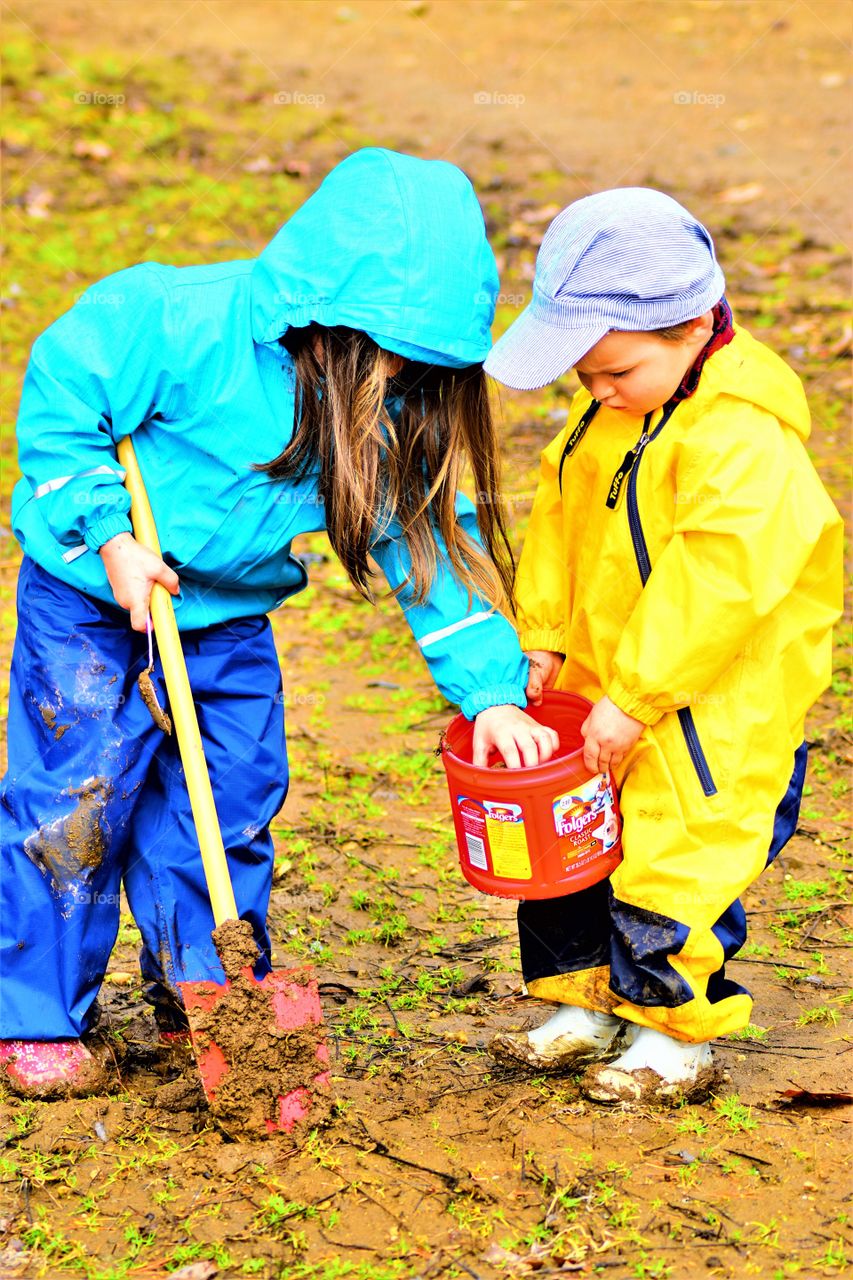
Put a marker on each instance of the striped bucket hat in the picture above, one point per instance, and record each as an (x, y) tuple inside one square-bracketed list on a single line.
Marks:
[(631, 259)]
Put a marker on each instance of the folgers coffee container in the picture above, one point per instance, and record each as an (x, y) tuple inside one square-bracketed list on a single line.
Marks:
[(539, 832)]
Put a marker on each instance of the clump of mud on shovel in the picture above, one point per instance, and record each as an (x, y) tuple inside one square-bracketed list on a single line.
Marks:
[(266, 1062)]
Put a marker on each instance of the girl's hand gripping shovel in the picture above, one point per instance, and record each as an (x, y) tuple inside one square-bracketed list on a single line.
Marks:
[(258, 1045)]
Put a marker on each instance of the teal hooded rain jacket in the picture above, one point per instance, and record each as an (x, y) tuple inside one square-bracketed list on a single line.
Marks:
[(188, 360)]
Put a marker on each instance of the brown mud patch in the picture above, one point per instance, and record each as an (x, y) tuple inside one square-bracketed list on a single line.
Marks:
[(48, 715), (235, 945), (644, 1087), (148, 694), (514, 1050), (258, 1043), (71, 847)]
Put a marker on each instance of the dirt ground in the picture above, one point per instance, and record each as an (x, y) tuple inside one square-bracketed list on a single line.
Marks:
[(435, 1162)]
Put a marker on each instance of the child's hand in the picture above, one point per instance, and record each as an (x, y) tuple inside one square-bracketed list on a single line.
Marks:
[(515, 735), (544, 669), (132, 571), (608, 734)]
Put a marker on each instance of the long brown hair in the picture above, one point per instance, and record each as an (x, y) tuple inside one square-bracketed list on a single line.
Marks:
[(375, 467)]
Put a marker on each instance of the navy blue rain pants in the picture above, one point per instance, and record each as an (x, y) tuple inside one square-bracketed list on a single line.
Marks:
[(95, 796)]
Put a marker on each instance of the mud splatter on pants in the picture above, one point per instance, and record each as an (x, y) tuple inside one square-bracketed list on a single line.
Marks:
[(650, 944), (95, 796)]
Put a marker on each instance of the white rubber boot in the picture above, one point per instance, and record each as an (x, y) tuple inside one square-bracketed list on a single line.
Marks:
[(654, 1068), (571, 1037)]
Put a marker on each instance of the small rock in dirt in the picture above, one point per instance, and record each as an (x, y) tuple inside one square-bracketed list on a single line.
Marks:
[(14, 1260), (179, 1095), (196, 1271)]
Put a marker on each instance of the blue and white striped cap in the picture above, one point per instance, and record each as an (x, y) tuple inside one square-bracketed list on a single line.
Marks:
[(631, 259)]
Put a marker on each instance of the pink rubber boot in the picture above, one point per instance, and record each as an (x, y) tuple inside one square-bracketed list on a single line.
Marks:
[(50, 1069)]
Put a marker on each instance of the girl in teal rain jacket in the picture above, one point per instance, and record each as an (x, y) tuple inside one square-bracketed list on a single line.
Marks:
[(334, 383)]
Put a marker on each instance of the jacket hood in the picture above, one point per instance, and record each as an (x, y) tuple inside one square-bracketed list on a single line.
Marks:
[(749, 370), (388, 244)]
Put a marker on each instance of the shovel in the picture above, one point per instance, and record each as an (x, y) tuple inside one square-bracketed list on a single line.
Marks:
[(258, 1044)]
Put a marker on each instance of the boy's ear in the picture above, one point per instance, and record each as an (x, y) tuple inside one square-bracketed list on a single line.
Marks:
[(702, 326)]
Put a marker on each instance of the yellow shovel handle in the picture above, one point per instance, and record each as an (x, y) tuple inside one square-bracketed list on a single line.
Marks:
[(181, 705)]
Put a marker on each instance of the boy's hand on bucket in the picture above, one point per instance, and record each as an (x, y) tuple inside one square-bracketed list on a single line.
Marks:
[(515, 735), (132, 571), (544, 669), (608, 735)]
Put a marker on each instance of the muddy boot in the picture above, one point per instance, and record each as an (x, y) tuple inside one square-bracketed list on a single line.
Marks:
[(655, 1068), (570, 1038), (50, 1069)]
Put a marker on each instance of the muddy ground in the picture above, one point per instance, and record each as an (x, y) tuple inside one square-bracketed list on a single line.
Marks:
[(435, 1162)]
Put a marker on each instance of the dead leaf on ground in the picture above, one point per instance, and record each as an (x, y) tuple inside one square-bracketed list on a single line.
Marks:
[(800, 1097), (744, 194)]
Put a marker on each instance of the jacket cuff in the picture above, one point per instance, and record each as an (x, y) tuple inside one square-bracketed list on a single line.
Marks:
[(499, 695), (95, 535), (551, 639), (631, 704)]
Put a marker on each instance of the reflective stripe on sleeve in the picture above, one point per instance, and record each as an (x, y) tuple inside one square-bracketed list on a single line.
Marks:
[(444, 632), (74, 553), (50, 486)]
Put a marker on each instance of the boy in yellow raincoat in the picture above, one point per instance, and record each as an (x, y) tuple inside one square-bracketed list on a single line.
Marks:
[(681, 570)]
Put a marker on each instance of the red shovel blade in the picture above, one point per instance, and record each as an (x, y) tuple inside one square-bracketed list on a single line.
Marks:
[(259, 1048)]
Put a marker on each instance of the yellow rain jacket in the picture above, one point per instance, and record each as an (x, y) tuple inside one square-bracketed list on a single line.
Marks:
[(721, 653)]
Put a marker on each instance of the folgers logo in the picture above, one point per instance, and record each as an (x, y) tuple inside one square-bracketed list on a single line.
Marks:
[(502, 813), (576, 818), (585, 818)]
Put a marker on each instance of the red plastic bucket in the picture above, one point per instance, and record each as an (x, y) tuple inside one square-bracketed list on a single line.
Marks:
[(540, 832)]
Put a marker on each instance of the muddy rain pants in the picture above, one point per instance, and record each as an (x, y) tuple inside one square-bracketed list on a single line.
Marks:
[(650, 944), (95, 797)]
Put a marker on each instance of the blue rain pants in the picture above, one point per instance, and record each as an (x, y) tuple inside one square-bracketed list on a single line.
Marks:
[(95, 796)]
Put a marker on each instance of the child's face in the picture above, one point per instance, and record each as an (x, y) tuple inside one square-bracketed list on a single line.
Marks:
[(638, 372)]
